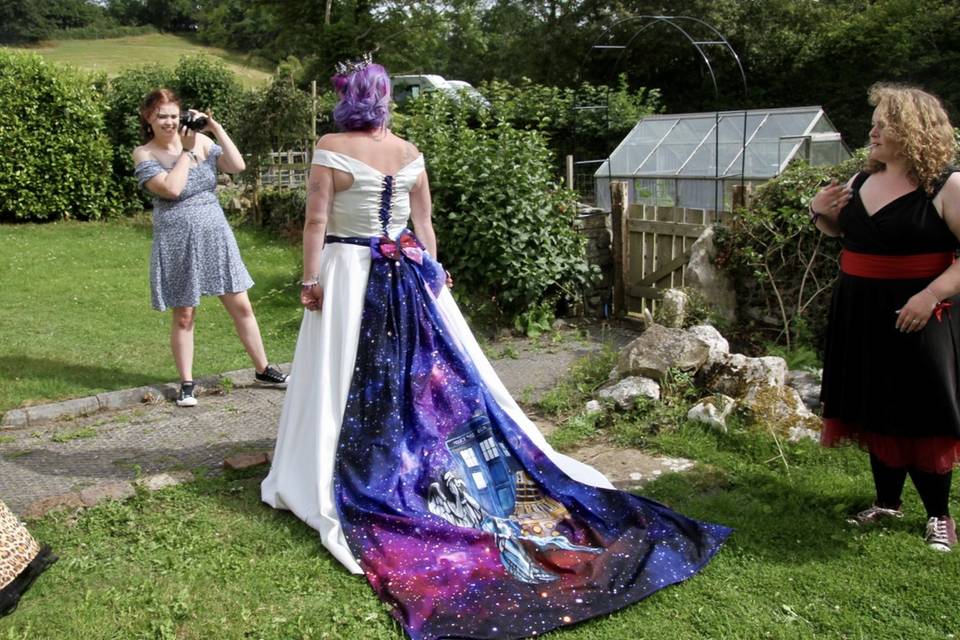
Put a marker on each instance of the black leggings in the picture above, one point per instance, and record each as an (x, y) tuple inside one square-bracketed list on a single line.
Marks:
[(934, 488)]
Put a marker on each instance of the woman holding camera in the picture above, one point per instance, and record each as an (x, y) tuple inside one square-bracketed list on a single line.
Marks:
[(892, 356), (194, 250)]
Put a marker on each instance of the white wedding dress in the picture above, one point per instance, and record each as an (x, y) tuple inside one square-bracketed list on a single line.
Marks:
[(301, 475)]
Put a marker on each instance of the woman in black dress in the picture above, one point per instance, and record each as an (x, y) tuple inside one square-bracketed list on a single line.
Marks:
[(892, 357)]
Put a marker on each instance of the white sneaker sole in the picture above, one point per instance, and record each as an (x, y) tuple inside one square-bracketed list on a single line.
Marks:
[(187, 402)]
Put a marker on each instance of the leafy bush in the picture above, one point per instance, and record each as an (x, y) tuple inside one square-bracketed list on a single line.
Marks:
[(275, 117), (504, 226), (101, 31), (55, 156), (283, 210), (783, 267), (594, 132)]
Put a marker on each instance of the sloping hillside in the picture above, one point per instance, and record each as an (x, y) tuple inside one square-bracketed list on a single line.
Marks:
[(113, 54)]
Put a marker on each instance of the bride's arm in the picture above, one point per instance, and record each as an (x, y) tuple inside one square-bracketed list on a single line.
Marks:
[(421, 210), (319, 202)]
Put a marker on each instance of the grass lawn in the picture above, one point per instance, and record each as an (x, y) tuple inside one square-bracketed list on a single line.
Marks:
[(75, 311), (208, 560), (111, 55)]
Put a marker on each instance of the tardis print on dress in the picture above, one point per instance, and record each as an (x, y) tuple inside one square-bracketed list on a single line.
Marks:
[(487, 500), (460, 523)]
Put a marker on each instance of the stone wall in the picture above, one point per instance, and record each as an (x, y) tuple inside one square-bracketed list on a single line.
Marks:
[(594, 225)]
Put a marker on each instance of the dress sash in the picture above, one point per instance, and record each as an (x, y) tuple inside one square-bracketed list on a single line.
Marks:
[(869, 265)]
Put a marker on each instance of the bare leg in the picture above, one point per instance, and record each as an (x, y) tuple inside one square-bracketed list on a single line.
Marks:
[(239, 307), (181, 340)]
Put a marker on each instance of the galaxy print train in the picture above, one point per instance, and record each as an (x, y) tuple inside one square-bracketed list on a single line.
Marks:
[(460, 522)]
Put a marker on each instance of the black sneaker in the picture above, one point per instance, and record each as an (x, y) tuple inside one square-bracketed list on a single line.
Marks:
[(186, 398), (272, 376)]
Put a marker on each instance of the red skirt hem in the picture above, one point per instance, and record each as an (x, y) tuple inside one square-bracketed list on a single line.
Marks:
[(936, 454)]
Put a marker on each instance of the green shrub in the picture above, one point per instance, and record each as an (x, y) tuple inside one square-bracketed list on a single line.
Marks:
[(782, 266), (283, 210), (504, 226), (101, 31), (55, 156), (275, 117)]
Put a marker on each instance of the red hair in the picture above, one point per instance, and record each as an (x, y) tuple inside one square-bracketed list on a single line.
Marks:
[(149, 104)]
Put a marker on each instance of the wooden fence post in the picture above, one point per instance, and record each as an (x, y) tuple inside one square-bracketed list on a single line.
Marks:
[(619, 221)]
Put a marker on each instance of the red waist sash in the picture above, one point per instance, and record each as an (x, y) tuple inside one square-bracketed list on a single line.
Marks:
[(920, 265)]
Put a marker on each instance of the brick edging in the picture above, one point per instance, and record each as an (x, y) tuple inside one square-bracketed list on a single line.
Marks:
[(120, 399)]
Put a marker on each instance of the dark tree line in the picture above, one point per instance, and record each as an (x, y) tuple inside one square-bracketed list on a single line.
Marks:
[(795, 52)]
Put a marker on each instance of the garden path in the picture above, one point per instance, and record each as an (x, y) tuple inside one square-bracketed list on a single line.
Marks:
[(89, 458)]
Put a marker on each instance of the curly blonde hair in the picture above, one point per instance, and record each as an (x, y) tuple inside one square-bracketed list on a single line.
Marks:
[(917, 121)]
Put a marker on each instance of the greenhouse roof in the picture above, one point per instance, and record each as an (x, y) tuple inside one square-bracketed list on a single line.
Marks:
[(693, 145)]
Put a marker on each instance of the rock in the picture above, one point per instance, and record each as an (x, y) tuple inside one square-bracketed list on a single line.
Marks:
[(245, 460), (659, 349), (40, 508), (592, 407), (807, 385), (779, 408), (735, 374), (713, 411), (163, 480), (718, 344), (673, 308), (628, 468), (712, 282), (625, 393), (796, 434), (109, 491)]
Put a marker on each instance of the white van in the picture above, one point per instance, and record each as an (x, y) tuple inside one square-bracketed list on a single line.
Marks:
[(413, 86), (407, 87)]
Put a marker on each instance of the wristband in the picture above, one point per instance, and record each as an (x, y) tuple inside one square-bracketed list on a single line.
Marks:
[(814, 216)]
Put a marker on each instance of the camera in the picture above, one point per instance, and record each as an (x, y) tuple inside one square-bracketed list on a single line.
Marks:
[(192, 121)]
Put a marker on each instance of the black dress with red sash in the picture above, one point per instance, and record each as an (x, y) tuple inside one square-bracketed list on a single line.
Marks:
[(896, 394)]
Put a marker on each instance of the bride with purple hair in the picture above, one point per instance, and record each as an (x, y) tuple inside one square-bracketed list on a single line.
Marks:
[(399, 444)]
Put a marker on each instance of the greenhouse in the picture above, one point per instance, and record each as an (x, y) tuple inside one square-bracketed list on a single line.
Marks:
[(697, 160)]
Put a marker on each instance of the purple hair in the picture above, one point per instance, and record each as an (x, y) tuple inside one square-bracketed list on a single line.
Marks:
[(364, 99)]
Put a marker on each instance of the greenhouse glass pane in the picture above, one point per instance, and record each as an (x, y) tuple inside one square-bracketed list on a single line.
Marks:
[(823, 126), (690, 130), (649, 131), (785, 124)]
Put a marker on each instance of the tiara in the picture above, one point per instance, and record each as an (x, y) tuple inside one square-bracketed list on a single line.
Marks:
[(349, 67)]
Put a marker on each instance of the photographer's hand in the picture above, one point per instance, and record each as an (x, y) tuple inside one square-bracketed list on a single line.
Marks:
[(231, 161)]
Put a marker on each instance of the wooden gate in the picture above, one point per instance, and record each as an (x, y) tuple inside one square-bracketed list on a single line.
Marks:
[(651, 248)]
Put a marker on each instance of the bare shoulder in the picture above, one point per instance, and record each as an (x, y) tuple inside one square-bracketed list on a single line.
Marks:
[(947, 202), (410, 151), (204, 141), (951, 189), (330, 141), (141, 153)]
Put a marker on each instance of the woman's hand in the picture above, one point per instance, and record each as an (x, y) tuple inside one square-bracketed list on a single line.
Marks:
[(188, 137), (311, 297), (831, 199), (449, 281), (916, 313), (211, 123)]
